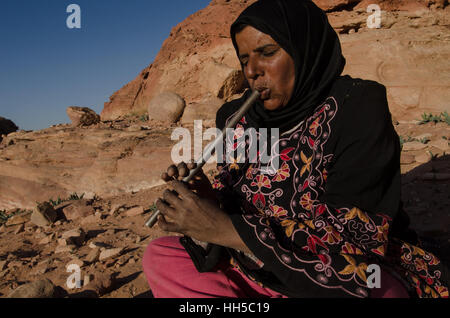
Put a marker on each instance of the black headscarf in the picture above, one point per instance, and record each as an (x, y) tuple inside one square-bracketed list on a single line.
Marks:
[(303, 31)]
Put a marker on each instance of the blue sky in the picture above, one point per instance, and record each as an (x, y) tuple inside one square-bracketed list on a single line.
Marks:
[(46, 67)]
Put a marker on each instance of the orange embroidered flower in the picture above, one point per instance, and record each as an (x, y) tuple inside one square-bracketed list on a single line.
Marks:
[(382, 234), (349, 248), (314, 126), (306, 202), (289, 226), (353, 268), (332, 236), (307, 163), (357, 212)]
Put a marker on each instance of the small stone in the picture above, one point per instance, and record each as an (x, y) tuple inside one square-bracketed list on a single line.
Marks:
[(135, 211), (18, 219), (57, 223), (76, 261), (75, 236), (77, 209), (114, 209), (89, 220), (62, 242), (103, 283), (138, 239), (110, 253), (413, 145), (131, 261), (19, 229), (423, 158), (39, 289), (47, 239), (87, 279), (441, 144), (406, 159), (43, 215), (2, 265), (93, 255), (65, 249)]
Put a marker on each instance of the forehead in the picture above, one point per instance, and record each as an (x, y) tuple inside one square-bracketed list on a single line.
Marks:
[(250, 39)]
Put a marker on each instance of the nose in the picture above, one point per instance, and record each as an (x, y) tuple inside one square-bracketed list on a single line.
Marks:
[(253, 69)]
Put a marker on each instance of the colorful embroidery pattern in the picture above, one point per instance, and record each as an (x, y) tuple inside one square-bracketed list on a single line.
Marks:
[(330, 246)]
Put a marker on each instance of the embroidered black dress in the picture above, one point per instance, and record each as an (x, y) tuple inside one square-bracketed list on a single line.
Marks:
[(307, 240)]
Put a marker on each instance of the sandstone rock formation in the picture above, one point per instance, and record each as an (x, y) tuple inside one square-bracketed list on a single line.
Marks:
[(82, 116), (408, 54)]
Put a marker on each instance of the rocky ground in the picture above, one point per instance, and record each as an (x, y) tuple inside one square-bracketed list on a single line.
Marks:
[(106, 236)]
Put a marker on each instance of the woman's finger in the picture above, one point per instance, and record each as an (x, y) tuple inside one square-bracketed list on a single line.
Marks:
[(171, 197), (183, 170), (165, 225), (165, 209), (173, 172), (166, 177), (192, 165)]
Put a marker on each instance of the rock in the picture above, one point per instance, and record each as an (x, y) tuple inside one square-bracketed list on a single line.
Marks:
[(6, 127), (441, 144), (43, 215), (89, 219), (39, 289), (65, 249), (82, 116), (18, 219), (406, 159), (423, 158), (115, 208), (135, 211), (413, 145), (110, 253), (19, 229), (330, 5), (75, 236), (2, 265), (46, 240), (76, 261), (222, 80), (78, 209), (103, 283), (93, 255), (203, 110), (167, 107)]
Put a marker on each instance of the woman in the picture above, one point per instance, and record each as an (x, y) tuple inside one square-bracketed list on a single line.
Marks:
[(314, 227)]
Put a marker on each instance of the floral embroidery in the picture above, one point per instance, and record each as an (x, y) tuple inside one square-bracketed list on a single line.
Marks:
[(331, 245)]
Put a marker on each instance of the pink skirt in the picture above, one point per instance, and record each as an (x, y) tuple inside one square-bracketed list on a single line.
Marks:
[(171, 274)]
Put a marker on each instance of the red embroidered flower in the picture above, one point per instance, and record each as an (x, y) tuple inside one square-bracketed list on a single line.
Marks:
[(262, 181), (282, 173), (314, 126), (278, 211)]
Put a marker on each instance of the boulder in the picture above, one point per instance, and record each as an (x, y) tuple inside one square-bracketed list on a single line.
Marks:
[(167, 107), (82, 116), (204, 110), (39, 289), (44, 214), (75, 236), (6, 127), (77, 209)]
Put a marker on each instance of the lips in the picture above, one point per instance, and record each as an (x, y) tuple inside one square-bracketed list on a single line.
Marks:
[(265, 92)]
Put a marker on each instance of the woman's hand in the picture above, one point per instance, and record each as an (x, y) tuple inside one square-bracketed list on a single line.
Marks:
[(200, 183), (183, 211)]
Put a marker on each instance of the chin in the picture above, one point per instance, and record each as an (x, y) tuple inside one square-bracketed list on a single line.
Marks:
[(272, 104)]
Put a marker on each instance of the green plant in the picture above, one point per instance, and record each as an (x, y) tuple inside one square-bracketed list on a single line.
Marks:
[(424, 140), (73, 197), (153, 208), (428, 118)]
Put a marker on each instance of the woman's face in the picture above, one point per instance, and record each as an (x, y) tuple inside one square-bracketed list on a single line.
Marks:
[(267, 67)]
